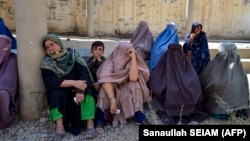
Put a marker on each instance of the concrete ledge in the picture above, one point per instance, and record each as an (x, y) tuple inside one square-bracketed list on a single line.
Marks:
[(243, 52), (243, 48), (246, 65), (83, 45)]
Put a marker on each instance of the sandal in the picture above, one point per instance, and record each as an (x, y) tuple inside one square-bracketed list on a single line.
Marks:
[(99, 129), (90, 134), (144, 122), (57, 137)]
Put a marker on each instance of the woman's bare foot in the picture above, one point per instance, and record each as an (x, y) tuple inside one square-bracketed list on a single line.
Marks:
[(91, 133), (99, 129), (59, 126)]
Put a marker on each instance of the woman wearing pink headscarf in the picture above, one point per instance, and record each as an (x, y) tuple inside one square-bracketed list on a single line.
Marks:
[(123, 77), (143, 40)]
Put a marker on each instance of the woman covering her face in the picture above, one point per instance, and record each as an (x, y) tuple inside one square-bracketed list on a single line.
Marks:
[(123, 77)]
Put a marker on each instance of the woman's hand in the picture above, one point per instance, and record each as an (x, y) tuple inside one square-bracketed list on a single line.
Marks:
[(96, 86), (189, 55), (113, 105), (79, 98), (96, 56), (192, 36), (130, 52), (80, 84)]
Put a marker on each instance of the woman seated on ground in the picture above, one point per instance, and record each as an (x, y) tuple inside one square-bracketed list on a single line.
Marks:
[(9, 99), (176, 89), (66, 77), (225, 84), (143, 40), (123, 77)]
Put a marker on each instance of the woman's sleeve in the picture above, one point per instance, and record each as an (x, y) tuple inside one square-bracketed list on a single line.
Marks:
[(50, 79), (186, 45), (84, 74)]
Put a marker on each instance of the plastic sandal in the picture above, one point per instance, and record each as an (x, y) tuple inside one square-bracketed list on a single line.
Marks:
[(90, 134), (58, 137), (99, 129)]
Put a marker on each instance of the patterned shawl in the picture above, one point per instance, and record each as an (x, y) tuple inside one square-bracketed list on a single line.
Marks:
[(63, 65), (62, 62)]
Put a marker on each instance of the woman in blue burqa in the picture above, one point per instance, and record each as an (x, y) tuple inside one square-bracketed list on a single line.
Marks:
[(196, 47), (166, 37), (5, 31)]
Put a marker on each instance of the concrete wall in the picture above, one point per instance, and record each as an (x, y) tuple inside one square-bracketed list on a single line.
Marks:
[(222, 19), (31, 27)]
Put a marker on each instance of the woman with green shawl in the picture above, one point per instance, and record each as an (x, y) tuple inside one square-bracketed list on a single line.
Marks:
[(69, 86)]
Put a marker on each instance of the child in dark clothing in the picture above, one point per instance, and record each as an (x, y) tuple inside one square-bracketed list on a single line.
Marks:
[(97, 58), (94, 62)]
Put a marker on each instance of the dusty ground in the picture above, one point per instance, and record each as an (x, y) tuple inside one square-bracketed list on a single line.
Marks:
[(43, 129)]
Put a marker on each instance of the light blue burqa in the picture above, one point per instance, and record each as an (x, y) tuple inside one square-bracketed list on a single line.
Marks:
[(160, 46)]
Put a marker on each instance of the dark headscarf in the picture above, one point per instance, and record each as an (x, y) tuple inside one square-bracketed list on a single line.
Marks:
[(61, 62), (194, 25)]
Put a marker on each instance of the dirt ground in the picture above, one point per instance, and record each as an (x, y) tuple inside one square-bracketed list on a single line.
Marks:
[(43, 129)]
